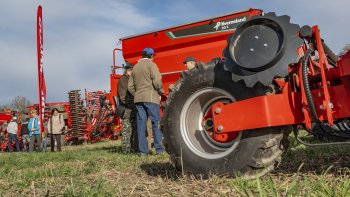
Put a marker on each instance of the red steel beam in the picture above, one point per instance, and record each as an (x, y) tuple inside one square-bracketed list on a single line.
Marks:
[(277, 110), (344, 67)]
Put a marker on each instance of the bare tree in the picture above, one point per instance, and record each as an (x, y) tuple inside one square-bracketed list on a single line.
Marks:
[(345, 49), (20, 104), (2, 107)]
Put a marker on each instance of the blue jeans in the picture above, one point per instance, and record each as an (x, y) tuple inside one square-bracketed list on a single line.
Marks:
[(145, 111), (9, 143)]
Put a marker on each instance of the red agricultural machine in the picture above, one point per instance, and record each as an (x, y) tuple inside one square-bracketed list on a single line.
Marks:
[(93, 121), (5, 117), (265, 78), (88, 120)]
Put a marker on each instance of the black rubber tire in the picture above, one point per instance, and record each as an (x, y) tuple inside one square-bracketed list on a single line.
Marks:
[(259, 150)]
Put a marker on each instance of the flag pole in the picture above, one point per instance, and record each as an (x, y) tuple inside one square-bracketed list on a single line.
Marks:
[(40, 52)]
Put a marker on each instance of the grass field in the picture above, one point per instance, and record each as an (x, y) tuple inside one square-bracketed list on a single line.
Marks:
[(101, 170)]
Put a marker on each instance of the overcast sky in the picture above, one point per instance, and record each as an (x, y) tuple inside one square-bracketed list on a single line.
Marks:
[(79, 35)]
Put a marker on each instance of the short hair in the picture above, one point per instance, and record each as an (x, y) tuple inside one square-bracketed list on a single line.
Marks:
[(53, 110), (126, 70), (145, 55)]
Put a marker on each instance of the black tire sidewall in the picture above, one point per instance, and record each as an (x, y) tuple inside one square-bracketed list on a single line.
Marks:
[(238, 160)]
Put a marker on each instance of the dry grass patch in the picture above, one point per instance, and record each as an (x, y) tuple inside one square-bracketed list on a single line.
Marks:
[(101, 170)]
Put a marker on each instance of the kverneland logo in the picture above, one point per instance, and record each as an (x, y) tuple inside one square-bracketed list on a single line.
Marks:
[(221, 25)]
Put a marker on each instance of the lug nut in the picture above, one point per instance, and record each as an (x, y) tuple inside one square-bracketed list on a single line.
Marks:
[(218, 110), (330, 105), (220, 128)]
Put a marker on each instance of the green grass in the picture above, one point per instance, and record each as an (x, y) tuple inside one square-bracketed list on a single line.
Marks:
[(101, 170)]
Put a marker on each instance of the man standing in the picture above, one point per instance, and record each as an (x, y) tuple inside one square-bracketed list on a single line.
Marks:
[(34, 130), (25, 134), (190, 63), (128, 112), (55, 126), (147, 87), (12, 129)]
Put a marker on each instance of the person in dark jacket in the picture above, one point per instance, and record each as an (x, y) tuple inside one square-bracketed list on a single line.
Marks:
[(126, 100), (190, 63), (25, 135)]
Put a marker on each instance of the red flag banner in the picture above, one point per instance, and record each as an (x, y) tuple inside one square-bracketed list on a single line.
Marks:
[(40, 53)]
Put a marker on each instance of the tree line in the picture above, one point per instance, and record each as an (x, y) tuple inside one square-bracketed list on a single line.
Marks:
[(18, 104), (345, 49)]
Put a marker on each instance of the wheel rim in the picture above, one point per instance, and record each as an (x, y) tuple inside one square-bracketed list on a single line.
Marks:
[(191, 119)]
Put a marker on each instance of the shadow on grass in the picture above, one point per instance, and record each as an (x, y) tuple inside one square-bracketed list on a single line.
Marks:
[(333, 160), (109, 149), (163, 170), (316, 160), (47, 193), (112, 149)]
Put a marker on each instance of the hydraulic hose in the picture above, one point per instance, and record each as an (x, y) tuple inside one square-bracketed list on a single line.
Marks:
[(319, 125), (307, 89), (331, 56)]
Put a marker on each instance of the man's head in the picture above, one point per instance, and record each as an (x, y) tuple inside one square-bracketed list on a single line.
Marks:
[(148, 53), (190, 63), (14, 119), (54, 112), (128, 68), (34, 113)]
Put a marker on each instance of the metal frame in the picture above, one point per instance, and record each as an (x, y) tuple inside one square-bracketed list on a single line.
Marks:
[(182, 25), (290, 107)]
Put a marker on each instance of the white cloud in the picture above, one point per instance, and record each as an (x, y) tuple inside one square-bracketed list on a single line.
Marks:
[(79, 37), (330, 16)]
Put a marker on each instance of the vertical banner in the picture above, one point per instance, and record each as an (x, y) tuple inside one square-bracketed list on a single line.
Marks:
[(41, 79)]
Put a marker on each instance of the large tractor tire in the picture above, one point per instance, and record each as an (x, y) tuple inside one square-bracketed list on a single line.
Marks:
[(248, 154)]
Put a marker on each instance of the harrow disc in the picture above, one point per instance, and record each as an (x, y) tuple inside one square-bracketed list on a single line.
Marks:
[(261, 49)]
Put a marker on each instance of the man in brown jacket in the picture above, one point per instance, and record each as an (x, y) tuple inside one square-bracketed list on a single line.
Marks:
[(146, 86)]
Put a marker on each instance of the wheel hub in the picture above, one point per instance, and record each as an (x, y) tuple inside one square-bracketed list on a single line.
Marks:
[(197, 124)]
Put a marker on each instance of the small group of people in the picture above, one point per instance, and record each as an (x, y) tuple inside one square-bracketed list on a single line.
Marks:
[(140, 91), (30, 132)]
